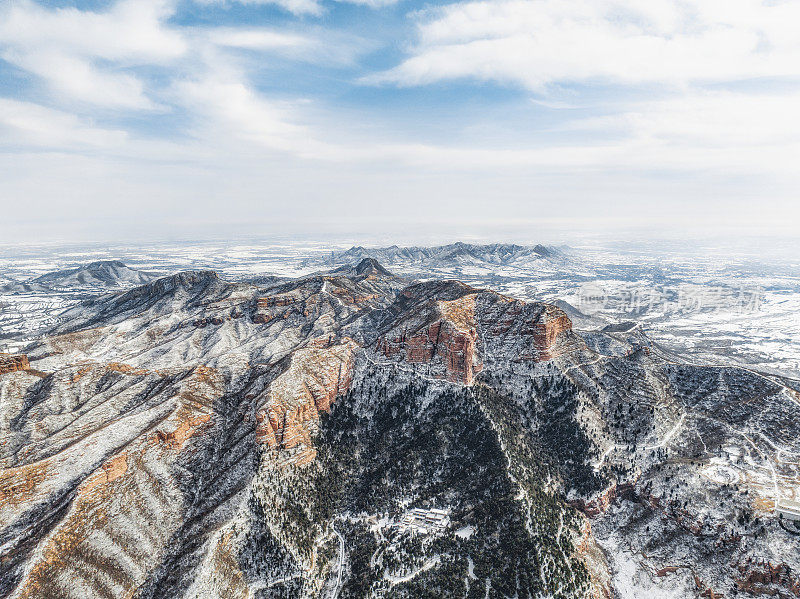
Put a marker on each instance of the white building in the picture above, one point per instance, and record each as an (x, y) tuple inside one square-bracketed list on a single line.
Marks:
[(788, 509), (424, 521)]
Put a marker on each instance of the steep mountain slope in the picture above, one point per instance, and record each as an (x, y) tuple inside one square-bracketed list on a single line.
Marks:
[(197, 438)]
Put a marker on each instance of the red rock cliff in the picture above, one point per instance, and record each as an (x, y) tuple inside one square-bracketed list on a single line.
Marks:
[(449, 342), (452, 336), (768, 579), (316, 376), (13, 362), (546, 333)]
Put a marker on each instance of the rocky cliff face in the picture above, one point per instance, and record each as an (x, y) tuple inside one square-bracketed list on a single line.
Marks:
[(196, 438), (13, 362), (453, 335), (315, 377), (446, 345)]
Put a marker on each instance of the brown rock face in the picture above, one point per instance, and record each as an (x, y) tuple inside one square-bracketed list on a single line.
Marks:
[(774, 580), (449, 341), (13, 363), (316, 376), (666, 570), (454, 337), (279, 306), (602, 502), (525, 331), (317, 296), (18, 485), (455, 349), (706, 591), (597, 566), (129, 504), (546, 333)]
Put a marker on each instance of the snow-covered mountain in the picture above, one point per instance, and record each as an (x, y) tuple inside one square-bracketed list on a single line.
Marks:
[(103, 273), (353, 434)]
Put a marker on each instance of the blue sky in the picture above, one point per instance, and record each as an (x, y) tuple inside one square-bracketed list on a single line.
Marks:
[(161, 117)]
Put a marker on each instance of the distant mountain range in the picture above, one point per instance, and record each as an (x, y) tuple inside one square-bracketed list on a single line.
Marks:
[(14, 286), (454, 254)]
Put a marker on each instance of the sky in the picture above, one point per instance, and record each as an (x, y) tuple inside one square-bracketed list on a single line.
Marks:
[(150, 119)]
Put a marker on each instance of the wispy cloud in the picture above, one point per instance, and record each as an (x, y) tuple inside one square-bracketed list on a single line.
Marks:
[(297, 7), (309, 44), (707, 119), (535, 43), (94, 59), (225, 107), (25, 124), (679, 71), (83, 55), (259, 39), (301, 7)]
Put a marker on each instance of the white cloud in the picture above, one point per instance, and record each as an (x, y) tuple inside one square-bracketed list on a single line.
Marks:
[(539, 42), (79, 79), (24, 123), (313, 45), (84, 55), (259, 39), (692, 51), (130, 31), (231, 137), (230, 106), (371, 3), (228, 111), (87, 56), (708, 120)]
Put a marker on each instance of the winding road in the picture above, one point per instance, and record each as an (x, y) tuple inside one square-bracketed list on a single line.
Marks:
[(338, 586)]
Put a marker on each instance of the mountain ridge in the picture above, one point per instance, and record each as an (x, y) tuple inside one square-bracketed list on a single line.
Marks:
[(447, 255)]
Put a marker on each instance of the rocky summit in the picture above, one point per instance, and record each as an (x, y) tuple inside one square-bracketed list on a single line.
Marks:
[(353, 434)]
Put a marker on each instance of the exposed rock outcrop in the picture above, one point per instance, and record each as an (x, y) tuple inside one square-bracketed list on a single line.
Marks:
[(441, 342), (13, 363), (597, 566), (599, 504), (456, 334), (767, 579), (316, 375)]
